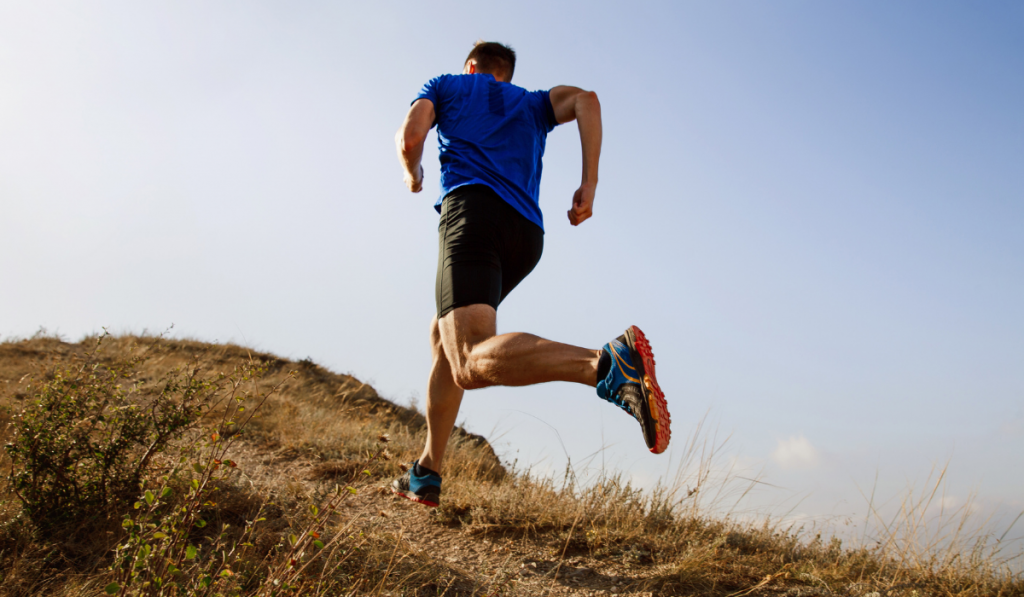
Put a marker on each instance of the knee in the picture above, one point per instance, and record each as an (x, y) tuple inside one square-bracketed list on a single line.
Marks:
[(435, 337), (467, 377), (460, 364)]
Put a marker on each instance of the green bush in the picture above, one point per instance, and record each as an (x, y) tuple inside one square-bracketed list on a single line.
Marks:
[(81, 447), (170, 550)]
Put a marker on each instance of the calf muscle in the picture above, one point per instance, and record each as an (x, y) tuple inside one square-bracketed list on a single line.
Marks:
[(479, 358)]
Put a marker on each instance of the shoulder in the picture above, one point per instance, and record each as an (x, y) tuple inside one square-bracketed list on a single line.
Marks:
[(436, 89), (540, 95), (448, 81), (438, 81)]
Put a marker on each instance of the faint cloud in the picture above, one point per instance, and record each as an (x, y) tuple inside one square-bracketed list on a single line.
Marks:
[(1013, 427), (953, 507), (796, 452)]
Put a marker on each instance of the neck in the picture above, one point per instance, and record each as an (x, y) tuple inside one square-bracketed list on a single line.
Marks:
[(496, 77)]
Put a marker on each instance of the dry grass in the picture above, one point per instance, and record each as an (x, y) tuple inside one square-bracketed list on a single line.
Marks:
[(320, 430), (314, 415)]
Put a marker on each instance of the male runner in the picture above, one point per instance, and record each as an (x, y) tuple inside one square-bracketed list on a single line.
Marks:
[(491, 136)]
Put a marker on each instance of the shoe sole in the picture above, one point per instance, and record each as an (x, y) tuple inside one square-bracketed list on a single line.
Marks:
[(415, 498), (652, 391)]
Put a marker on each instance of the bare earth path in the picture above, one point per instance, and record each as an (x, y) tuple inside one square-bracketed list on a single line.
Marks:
[(477, 563)]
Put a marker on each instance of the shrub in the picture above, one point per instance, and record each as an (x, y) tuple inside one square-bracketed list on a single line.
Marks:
[(82, 446), (166, 554)]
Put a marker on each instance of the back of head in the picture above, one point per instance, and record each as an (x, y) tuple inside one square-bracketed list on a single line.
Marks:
[(494, 59)]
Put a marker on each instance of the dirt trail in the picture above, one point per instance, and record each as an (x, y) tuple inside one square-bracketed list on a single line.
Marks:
[(496, 566), (477, 563)]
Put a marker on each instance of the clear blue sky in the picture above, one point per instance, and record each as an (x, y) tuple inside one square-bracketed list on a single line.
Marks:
[(820, 207)]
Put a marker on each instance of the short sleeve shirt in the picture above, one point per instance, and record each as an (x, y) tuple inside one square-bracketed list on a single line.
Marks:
[(491, 133)]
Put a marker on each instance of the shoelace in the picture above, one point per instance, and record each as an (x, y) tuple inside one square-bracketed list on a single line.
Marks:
[(617, 400)]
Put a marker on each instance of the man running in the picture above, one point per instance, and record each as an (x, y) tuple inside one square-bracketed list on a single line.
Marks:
[(491, 136)]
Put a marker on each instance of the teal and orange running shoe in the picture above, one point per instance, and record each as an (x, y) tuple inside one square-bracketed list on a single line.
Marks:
[(625, 377), (423, 488)]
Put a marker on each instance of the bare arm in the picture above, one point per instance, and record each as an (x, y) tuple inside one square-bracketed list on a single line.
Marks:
[(410, 139), (573, 103)]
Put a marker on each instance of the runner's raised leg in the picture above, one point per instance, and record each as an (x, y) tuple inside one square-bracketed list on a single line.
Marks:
[(468, 354), (480, 358)]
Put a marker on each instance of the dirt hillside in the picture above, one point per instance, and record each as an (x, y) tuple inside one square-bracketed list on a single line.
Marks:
[(319, 434)]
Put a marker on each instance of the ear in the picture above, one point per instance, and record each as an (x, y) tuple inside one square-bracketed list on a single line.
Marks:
[(470, 68)]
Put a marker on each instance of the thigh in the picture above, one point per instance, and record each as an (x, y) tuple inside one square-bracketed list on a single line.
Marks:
[(521, 254), (468, 262)]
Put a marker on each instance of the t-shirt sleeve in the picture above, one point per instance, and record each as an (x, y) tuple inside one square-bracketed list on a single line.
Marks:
[(544, 112), (431, 90)]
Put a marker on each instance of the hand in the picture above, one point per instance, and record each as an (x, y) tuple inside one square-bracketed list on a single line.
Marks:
[(414, 184), (582, 204)]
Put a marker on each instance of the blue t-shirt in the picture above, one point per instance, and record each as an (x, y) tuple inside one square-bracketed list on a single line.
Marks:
[(491, 133)]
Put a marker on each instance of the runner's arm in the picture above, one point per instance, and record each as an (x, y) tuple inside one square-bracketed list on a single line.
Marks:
[(573, 103), (410, 139)]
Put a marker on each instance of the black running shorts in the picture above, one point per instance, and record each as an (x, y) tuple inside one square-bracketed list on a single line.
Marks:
[(485, 249)]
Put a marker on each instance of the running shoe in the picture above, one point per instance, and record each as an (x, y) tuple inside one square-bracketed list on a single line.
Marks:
[(424, 489), (631, 385)]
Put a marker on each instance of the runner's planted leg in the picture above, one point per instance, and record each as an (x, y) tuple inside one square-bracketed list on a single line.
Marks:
[(443, 400), (422, 481)]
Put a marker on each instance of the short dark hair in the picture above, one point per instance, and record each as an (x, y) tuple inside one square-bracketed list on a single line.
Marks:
[(493, 58)]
